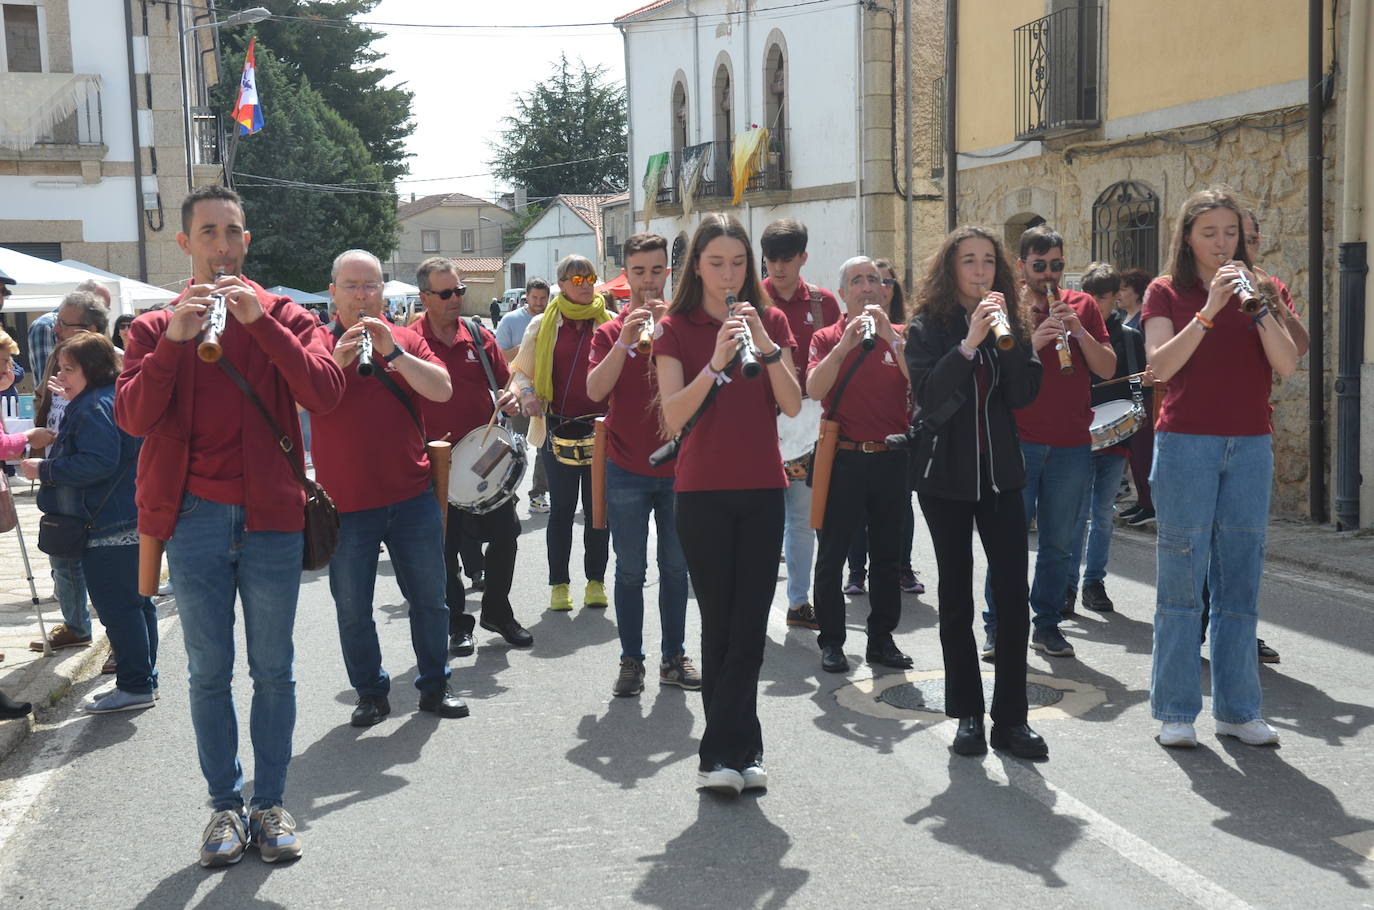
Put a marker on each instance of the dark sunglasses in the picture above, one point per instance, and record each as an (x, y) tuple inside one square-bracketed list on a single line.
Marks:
[(1054, 265), (446, 293)]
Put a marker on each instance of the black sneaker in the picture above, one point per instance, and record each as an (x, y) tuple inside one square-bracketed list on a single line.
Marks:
[(630, 680), (803, 616), (1267, 655), (1128, 514), (1143, 517), (1095, 598), (989, 646), (855, 585), (1052, 642)]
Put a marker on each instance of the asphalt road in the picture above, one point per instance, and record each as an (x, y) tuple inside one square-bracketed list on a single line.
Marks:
[(554, 794)]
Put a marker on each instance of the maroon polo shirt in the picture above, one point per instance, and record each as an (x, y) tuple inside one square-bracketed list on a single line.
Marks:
[(874, 404), (368, 451), (734, 446), (801, 318), (632, 426), (1223, 389), (1062, 414), (571, 356), (471, 406)]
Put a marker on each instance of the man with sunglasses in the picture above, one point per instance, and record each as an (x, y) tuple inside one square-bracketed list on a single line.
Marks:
[(1056, 440), (451, 339)]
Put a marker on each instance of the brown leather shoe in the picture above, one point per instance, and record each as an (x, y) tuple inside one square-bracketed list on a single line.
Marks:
[(61, 637), (110, 665)]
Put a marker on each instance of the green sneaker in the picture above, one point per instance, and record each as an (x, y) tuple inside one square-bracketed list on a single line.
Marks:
[(595, 595), (561, 599), (274, 834), (225, 839)]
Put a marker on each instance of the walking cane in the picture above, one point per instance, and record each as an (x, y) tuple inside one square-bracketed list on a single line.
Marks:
[(33, 592)]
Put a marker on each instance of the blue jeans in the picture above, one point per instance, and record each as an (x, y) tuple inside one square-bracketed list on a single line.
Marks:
[(130, 620), (1096, 517), (69, 587), (1056, 482), (630, 498), (1211, 498), (213, 556), (414, 536), (798, 542)]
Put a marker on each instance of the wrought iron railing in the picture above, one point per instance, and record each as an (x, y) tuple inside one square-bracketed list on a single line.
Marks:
[(207, 136), (715, 172), (83, 126), (776, 173), (668, 189), (1057, 62)]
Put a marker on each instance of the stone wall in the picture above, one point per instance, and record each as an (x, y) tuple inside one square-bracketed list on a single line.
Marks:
[(1264, 157)]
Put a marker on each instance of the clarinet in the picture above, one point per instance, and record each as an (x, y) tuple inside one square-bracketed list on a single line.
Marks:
[(210, 350), (749, 366), (866, 340), (1061, 344), (365, 367)]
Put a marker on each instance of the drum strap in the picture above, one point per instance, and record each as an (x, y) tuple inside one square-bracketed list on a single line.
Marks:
[(844, 383), (476, 330)]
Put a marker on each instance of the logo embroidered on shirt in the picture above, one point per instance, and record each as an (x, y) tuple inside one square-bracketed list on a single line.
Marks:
[(888, 360), (472, 356), (809, 319)]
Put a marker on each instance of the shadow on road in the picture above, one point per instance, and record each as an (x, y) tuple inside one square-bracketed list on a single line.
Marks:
[(1273, 804), (998, 822), (560, 634), (235, 886), (624, 747), (731, 856), (1293, 704)]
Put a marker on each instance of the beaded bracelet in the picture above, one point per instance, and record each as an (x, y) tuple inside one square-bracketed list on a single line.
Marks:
[(1203, 322)]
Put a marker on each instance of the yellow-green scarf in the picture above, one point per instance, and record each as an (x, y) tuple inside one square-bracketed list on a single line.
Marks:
[(548, 336)]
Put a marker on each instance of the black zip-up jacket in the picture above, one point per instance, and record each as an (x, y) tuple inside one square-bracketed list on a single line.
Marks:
[(946, 461)]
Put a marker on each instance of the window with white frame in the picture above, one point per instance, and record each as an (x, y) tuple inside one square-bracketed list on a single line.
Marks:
[(469, 239), (429, 241)]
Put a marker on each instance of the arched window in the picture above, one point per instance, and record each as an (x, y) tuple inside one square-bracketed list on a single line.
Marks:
[(775, 113), (1126, 227), (679, 109), (722, 102), (1016, 226)]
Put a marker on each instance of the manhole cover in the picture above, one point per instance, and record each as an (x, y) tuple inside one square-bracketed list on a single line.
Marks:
[(929, 695)]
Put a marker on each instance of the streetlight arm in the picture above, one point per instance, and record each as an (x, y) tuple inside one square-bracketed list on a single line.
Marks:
[(243, 17)]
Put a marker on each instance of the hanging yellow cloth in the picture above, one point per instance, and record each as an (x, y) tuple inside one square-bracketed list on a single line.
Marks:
[(747, 159)]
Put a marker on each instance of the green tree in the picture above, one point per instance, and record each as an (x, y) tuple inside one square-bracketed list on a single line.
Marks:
[(298, 230), (338, 60), (573, 115)]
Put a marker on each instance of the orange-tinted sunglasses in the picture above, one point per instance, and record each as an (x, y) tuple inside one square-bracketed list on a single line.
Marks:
[(579, 280)]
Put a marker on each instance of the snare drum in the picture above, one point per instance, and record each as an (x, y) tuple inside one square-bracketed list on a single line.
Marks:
[(486, 468), (572, 440), (1114, 422)]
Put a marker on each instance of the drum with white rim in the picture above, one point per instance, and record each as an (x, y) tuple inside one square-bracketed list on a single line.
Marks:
[(487, 465), (1115, 421)]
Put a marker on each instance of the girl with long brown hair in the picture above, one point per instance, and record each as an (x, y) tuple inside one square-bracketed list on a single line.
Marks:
[(968, 473), (729, 480)]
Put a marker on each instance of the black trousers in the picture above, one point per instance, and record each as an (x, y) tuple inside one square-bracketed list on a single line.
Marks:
[(865, 489), (566, 483), (500, 529), (1001, 522), (732, 540)]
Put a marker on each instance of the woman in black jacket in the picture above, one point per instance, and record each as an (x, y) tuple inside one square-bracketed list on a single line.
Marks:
[(967, 471)]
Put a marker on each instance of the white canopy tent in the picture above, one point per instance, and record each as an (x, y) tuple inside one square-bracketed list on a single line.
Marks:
[(40, 285), (135, 295)]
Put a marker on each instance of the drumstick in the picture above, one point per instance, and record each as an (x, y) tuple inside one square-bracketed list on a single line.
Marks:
[(490, 423), (1133, 376)]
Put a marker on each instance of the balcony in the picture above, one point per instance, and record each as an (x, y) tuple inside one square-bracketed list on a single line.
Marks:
[(776, 175), (52, 116), (83, 126), (668, 190), (1057, 60), (207, 137)]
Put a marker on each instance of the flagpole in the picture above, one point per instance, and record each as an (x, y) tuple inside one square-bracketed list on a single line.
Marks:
[(229, 161)]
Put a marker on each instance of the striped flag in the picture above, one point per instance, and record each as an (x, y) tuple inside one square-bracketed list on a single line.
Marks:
[(247, 111)]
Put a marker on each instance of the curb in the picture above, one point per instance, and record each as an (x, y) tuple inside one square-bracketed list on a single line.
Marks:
[(45, 683)]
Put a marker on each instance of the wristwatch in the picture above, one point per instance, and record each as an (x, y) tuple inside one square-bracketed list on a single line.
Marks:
[(395, 352)]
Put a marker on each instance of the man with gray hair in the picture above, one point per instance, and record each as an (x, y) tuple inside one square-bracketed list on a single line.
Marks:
[(43, 335), (857, 370), (379, 478)]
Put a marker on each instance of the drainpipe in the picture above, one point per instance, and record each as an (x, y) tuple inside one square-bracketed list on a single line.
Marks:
[(906, 137), (630, 128), (1354, 269), (1316, 417), (138, 150), (696, 69), (951, 103), (859, 131)]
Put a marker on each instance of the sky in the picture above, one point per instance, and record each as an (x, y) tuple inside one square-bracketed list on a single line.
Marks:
[(465, 79)]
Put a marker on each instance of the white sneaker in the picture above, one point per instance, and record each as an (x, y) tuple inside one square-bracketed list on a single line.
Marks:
[(1252, 733), (721, 779), (165, 588), (755, 777), (1179, 736)]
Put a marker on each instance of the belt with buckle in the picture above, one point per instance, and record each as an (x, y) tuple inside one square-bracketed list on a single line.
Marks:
[(867, 448)]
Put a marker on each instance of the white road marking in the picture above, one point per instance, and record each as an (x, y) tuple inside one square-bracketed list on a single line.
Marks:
[(1185, 880)]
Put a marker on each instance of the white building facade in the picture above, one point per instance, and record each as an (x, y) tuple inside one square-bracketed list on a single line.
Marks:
[(571, 224), (700, 73)]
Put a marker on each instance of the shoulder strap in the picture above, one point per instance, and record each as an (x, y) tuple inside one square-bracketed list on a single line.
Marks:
[(475, 329), (844, 382), (816, 298), (390, 384), (283, 441)]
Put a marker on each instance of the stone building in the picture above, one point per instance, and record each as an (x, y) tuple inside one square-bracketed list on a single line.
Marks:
[(71, 185), (1101, 118), (459, 227)]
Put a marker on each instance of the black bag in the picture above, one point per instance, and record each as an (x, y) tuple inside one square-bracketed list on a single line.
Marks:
[(63, 536), (321, 515)]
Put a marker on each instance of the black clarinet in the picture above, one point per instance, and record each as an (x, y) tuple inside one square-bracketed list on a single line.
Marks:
[(749, 366)]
